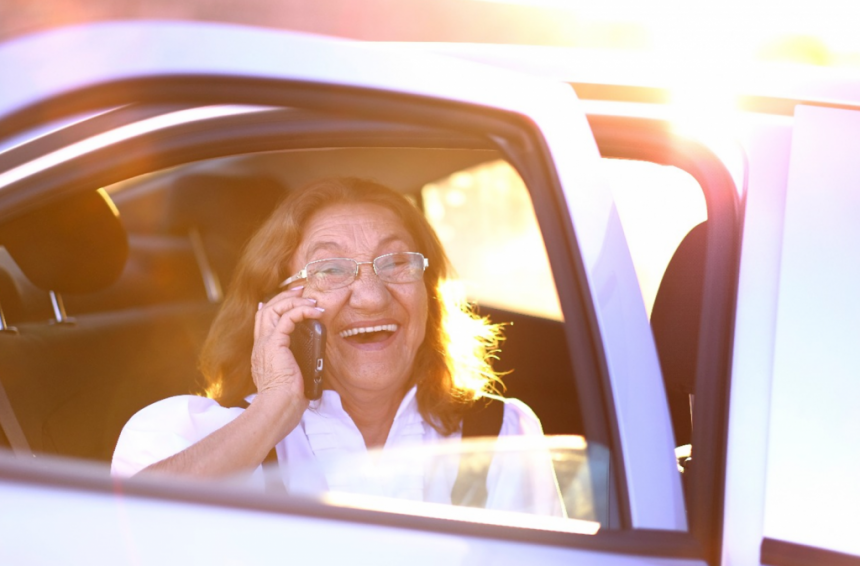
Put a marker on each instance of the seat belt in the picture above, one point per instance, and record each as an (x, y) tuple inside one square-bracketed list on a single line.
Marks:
[(9, 424), (12, 428), (483, 419), (273, 478)]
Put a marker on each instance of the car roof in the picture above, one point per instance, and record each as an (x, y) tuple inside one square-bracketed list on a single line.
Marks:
[(49, 64), (652, 77)]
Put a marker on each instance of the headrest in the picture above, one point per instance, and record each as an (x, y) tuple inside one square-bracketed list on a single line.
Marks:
[(677, 311), (224, 210), (231, 206), (74, 245)]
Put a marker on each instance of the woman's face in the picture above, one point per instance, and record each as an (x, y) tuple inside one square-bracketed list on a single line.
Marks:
[(372, 361)]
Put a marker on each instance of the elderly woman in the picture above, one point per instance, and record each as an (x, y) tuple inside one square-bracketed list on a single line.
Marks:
[(351, 254)]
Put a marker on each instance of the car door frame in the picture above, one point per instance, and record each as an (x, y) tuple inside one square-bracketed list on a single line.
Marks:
[(654, 140)]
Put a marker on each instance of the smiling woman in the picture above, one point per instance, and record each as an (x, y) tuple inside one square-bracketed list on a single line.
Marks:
[(377, 326), (349, 218), (393, 376)]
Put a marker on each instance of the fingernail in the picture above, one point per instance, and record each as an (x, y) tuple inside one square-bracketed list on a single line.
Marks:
[(320, 309), (259, 306), (314, 301), (299, 288)]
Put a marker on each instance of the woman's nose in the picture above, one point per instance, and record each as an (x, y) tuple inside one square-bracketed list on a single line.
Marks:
[(368, 289)]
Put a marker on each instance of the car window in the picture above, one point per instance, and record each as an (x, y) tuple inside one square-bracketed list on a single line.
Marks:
[(139, 339), (186, 228)]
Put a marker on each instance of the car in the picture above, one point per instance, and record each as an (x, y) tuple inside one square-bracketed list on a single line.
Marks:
[(678, 309)]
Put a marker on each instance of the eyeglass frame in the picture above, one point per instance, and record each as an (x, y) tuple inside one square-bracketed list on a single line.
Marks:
[(303, 274)]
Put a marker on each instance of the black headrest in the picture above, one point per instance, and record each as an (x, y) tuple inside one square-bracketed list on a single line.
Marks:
[(677, 311), (74, 245), (225, 211), (230, 206)]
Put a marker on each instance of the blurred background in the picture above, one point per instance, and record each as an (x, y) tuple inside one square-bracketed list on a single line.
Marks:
[(819, 33)]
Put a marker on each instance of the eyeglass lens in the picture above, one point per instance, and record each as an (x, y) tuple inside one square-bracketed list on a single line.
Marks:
[(400, 267)]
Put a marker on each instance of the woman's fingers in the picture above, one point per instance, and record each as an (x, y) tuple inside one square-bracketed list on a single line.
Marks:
[(269, 313), (286, 324), (279, 333), (268, 318)]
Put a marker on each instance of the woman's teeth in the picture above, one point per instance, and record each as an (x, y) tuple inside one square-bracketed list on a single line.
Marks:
[(368, 329)]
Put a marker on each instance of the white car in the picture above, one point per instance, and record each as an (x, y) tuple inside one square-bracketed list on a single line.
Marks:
[(663, 291)]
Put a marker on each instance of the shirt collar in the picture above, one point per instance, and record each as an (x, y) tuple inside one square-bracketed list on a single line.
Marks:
[(330, 404)]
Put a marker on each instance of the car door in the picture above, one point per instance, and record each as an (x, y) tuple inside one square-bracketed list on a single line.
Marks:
[(537, 126), (811, 496)]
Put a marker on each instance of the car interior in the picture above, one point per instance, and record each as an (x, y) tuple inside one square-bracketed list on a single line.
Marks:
[(107, 293)]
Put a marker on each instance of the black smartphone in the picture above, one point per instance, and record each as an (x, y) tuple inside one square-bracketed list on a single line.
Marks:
[(307, 342)]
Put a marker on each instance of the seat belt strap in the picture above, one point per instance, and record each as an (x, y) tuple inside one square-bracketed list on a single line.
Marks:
[(483, 419), (12, 428)]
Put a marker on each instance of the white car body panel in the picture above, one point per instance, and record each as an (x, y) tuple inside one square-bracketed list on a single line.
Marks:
[(98, 528), (768, 146), (812, 492), (831, 85)]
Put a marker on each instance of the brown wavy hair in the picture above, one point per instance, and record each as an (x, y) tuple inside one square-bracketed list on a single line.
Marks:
[(453, 365)]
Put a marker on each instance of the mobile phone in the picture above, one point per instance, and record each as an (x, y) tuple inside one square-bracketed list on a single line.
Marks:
[(307, 342)]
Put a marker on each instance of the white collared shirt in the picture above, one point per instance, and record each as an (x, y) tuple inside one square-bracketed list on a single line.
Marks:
[(326, 453)]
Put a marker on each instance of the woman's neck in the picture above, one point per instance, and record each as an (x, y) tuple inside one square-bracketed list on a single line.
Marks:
[(372, 412)]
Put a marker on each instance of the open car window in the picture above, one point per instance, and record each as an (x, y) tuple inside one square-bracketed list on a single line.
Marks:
[(187, 227)]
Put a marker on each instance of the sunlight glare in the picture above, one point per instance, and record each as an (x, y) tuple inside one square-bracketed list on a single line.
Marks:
[(468, 338), (505, 265), (460, 513)]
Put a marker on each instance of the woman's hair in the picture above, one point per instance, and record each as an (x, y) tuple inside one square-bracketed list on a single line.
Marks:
[(453, 365)]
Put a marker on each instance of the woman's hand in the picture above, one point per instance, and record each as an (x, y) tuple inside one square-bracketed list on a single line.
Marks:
[(244, 442), (273, 366)]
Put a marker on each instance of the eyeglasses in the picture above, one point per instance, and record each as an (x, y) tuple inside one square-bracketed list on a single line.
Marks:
[(334, 273)]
